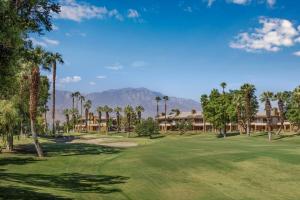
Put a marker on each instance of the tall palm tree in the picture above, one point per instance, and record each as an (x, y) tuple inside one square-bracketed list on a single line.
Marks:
[(139, 109), (157, 99), (281, 98), (53, 59), (166, 98), (87, 106), (238, 103), (118, 110), (107, 110), (73, 96), (67, 115), (82, 99), (44, 110), (36, 58), (77, 97), (128, 110), (223, 86), (99, 110), (204, 101), (248, 91), (266, 98)]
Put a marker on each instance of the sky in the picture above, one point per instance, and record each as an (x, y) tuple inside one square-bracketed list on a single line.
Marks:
[(181, 48)]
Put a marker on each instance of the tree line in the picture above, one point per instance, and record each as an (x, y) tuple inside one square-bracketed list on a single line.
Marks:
[(240, 106), (24, 92)]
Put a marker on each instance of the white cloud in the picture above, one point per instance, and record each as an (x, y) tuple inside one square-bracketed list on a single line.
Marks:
[(44, 42), (270, 3), (138, 63), (272, 36), (188, 9), (70, 79), (50, 41), (297, 53), (92, 83), (115, 67), (132, 13), (101, 77), (72, 10), (54, 27)]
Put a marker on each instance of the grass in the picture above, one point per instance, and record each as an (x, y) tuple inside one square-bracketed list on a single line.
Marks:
[(185, 167)]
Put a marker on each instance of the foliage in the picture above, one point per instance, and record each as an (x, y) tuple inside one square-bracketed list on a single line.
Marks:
[(293, 113), (183, 126), (147, 127)]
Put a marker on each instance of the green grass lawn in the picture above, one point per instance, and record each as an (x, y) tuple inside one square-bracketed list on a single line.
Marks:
[(174, 167)]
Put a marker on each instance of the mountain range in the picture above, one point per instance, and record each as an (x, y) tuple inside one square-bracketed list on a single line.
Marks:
[(123, 97)]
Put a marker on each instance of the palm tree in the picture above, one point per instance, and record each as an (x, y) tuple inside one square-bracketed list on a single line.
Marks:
[(87, 106), (118, 110), (204, 101), (281, 98), (67, 115), (157, 99), (139, 110), (266, 98), (99, 111), (44, 110), (238, 103), (73, 96), (107, 110), (166, 98), (35, 59), (248, 91), (53, 59), (128, 110), (223, 86), (77, 97), (82, 99)]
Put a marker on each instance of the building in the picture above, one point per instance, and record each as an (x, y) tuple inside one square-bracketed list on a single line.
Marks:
[(93, 124), (259, 123)]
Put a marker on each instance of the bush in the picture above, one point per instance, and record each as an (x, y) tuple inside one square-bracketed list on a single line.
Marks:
[(147, 128)]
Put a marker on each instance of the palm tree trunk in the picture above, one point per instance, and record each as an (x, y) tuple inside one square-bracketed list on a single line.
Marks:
[(53, 98), (248, 127), (165, 116), (9, 141), (34, 90), (46, 125)]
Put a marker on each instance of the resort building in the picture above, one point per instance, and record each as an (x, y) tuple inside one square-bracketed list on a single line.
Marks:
[(259, 123), (93, 124)]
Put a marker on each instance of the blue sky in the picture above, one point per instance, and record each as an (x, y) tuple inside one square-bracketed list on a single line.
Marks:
[(181, 48)]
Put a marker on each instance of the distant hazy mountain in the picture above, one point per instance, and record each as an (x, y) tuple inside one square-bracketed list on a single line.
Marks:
[(123, 97)]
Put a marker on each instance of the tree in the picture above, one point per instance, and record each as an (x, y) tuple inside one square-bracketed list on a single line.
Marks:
[(77, 97), (238, 109), (147, 127), (87, 106), (293, 113), (128, 110), (9, 119), (204, 102), (266, 98), (157, 99), (44, 110), (36, 59), (139, 110), (176, 111), (67, 115), (251, 104), (166, 98), (73, 96), (118, 110), (282, 99), (107, 110), (82, 99), (99, 110), (223, 86), (53, 59)]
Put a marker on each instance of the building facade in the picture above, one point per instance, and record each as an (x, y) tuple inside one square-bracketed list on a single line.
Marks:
[(198, 123)]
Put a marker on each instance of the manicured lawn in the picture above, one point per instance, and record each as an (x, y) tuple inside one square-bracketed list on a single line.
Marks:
[(183, 167)]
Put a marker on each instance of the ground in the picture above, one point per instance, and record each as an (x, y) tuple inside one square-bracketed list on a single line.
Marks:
[(181, 167)]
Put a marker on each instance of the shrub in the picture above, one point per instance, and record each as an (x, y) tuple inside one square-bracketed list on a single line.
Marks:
[(147, 128)]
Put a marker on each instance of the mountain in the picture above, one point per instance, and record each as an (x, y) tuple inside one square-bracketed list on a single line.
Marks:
[(123, 97)]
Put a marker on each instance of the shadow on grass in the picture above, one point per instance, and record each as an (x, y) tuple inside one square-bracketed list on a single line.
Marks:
[(71, 182), (67, 149), (17, 193), (16, 160), (279, 137), (228, 135)]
